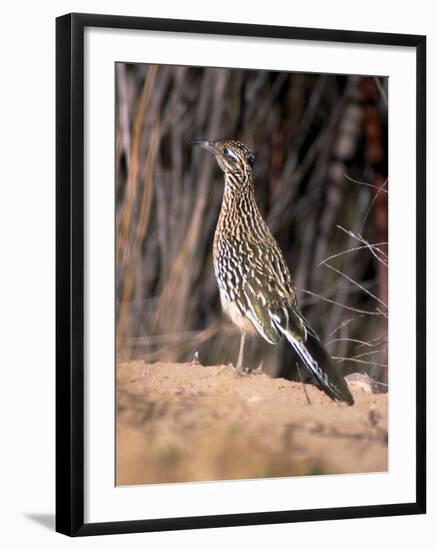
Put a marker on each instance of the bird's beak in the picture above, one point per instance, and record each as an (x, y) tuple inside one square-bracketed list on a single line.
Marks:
[(208, 145)]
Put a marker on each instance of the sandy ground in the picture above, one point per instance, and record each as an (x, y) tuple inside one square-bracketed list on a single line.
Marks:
[(187, 422)]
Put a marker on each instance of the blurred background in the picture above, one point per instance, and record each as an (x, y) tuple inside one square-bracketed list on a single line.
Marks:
[(320, 175)]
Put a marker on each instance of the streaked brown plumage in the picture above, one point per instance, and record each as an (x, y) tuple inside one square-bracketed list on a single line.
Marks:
[(255, 285)]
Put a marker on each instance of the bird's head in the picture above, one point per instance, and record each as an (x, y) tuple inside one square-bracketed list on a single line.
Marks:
[(233, 157)]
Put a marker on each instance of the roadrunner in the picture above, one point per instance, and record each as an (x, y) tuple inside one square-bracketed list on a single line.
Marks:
[(256, 289)]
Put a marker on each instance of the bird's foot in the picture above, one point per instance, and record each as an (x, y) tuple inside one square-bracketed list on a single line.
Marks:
[(195, 361), (259, 369), (242, 370)]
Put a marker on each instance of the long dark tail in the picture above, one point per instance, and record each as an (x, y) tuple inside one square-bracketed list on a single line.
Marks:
[(316, 359)]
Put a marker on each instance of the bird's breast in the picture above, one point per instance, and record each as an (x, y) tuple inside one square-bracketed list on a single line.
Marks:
[(231, 309)]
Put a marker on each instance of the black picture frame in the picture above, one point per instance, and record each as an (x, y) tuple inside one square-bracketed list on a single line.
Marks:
[(70, 273)]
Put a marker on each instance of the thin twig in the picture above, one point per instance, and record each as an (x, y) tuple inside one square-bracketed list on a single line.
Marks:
[(354, 250), (352, 359), (354, 340), (362, 240), (382, 313), (364, 183), (368, 353), (345, 323), (355, 283), (379, 383), (303, 384), (373, 202), (350, 308)]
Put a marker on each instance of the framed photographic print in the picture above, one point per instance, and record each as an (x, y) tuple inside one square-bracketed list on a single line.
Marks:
[(240, 274)]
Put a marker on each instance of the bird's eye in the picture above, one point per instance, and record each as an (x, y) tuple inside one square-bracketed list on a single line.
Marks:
[(225, 151)]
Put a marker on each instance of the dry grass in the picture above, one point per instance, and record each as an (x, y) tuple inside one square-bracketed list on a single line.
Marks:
[(319, 176)]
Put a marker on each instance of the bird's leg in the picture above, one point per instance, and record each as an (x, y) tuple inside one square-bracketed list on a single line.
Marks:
[(241, 352), (303, 384), (259, 369)]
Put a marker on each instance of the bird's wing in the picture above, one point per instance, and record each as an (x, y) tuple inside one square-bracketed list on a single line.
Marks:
[(252, 302), (258, 278)]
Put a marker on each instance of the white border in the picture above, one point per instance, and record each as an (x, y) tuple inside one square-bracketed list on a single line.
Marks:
[(104, 502)]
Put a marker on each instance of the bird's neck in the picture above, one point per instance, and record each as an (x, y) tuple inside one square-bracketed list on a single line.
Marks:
[(238, 203), (238, 186)]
